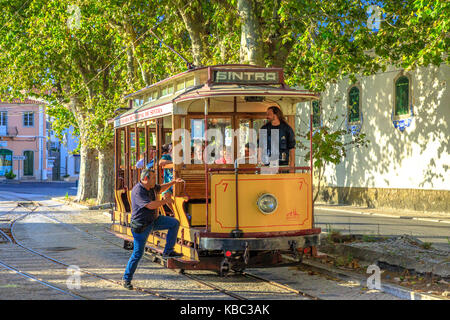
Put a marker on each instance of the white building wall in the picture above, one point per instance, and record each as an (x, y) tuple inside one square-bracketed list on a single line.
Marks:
[(66, 146), (418, 157), (69, 144)]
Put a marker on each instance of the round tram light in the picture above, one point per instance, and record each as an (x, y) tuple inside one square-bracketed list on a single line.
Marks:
[(228, 254), (267, 203)]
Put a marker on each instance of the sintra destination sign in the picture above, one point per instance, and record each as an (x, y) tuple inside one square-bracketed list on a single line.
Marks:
[(246, 77)]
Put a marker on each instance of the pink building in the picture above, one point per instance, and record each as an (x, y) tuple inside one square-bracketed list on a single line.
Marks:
[(23, 139)]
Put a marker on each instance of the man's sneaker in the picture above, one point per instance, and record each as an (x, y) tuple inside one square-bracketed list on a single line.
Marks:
[(127, 285), (172, 254)]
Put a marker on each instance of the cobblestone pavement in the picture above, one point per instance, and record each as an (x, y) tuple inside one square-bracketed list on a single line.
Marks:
[(83, 242)]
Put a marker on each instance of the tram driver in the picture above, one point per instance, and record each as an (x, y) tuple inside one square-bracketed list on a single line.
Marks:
[(286, 139)]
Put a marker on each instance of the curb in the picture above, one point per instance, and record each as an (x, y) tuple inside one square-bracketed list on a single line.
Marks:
[(82, 206), (392, 289), (384, 215), (71, 204)]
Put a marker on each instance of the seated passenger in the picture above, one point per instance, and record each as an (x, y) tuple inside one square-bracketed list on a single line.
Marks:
[(140, 163), (251, 155), (225, 157)]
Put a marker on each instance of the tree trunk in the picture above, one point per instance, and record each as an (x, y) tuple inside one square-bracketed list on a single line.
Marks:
[(251, 42), (87, 181), (105, 192), (130, 68), (193, 20)]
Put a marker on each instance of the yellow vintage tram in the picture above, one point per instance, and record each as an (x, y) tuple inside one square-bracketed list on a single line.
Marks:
[(223, 222)]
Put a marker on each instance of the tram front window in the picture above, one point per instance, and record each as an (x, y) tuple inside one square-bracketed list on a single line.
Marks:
[(248, 137), (220, 139)]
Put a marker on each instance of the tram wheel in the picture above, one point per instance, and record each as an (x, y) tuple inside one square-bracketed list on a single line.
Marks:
[(299, 257), (224, 268)]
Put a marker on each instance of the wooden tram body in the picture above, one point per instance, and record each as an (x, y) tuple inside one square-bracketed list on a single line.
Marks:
[(221, 226)]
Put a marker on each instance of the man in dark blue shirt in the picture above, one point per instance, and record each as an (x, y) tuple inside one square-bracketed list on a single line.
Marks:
[(145, 219)]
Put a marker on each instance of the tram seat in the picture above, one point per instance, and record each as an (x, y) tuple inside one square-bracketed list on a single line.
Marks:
[(123, 200)]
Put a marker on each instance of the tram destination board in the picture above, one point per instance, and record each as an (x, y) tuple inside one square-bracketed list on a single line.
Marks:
[(247, 76)]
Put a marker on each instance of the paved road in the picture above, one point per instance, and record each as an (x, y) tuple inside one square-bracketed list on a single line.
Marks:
[(39, 190), (437, 233)]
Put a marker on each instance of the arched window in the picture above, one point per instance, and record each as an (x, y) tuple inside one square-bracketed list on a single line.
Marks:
[(353, 114), (317, 113), (402, 96)]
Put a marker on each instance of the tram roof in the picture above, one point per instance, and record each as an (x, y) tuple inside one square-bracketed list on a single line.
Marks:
[(209, 82)]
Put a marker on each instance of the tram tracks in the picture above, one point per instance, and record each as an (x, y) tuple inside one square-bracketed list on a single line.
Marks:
[(44, 283), (13, 239), (7, 236), (196, 278)]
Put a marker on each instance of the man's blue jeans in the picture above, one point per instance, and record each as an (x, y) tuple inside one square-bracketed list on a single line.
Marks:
[(161, 223)]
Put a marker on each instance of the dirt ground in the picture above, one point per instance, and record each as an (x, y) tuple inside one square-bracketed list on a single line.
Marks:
[(406, 245)]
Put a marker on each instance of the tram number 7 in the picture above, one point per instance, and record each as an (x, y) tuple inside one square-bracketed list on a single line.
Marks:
[(301, 185), (225, 187)]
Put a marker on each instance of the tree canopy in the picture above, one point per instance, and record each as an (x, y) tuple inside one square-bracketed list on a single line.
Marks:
[(84, 56)]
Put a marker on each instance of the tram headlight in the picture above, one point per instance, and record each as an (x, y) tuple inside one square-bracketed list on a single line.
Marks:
[(267, 203)]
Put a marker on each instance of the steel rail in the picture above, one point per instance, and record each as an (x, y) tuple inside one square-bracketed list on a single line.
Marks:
[(192, 277), (236, 296), (33, 278), (98, 276), (5, 236), (282, 286), (212, 286)]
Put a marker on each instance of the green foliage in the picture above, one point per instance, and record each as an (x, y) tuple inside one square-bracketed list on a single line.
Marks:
[(10, 175), (85, 71), (427, 245), (330, 146)]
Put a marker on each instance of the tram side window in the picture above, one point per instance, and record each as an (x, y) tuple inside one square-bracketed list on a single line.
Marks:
[(132, 149), (122, 149), (141, 138), (151, 151), (167, 125)]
